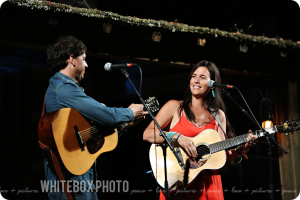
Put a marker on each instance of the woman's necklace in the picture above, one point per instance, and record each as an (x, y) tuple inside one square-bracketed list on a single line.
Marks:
[(196, 123)]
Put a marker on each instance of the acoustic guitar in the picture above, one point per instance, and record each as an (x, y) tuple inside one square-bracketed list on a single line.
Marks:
[(78, 140), (211, 155)]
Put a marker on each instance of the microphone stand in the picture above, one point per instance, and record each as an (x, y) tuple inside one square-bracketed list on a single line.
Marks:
[(165, 144), (268, 138)]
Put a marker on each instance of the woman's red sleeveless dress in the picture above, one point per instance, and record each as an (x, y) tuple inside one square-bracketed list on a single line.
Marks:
[(208, 187)]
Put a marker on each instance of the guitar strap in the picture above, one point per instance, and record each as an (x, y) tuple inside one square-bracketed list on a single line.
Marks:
[(217, 118), (55, 155)]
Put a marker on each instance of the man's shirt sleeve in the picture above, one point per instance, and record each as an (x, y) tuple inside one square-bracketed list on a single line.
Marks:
[(68, 95)]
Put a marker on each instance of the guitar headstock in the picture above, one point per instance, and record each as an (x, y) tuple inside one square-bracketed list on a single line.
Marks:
[(152, 104), (289, 126)]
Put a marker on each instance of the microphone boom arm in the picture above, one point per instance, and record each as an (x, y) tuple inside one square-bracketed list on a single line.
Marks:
[(164, 145)]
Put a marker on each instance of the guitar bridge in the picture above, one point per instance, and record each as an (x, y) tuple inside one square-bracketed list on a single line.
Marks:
[(79, 139)]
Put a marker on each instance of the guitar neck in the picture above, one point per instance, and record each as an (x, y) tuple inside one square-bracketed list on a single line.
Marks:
[(238, 140), (227, 144)]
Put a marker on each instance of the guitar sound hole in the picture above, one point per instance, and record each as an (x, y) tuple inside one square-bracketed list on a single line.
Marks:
[(203, 152), (94, 146)]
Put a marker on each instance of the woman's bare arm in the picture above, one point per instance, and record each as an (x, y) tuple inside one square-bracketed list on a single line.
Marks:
[(168, 115), (163, 118)]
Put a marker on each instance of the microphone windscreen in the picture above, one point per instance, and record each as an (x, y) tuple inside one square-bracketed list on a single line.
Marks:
[(107, 66), (210, 83)]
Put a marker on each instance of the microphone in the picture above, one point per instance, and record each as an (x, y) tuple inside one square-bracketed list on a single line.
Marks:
[(212, 83), (108, 66)]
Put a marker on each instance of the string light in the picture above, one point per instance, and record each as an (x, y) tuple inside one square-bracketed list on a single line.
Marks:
[(201, 42)]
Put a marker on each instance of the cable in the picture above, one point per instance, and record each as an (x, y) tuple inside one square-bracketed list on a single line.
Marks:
[(141, 76), (270, 106), (46, 179), (156, 185), (249, 109)]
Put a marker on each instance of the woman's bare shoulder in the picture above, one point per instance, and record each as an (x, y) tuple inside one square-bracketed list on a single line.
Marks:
[(172, 105), (222, 115)]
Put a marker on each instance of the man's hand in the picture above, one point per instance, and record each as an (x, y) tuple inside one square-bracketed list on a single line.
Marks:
[(139, 113)]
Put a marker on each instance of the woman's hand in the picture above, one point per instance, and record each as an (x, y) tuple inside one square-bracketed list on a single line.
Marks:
[(251, 141), (188, 145)]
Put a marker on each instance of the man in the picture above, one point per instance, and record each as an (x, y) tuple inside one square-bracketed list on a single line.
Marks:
[(67, 57)]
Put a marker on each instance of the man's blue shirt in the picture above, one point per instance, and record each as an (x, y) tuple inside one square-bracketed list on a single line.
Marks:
[(65, 92)]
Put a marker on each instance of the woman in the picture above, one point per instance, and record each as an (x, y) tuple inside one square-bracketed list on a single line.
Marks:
[(190, 117)]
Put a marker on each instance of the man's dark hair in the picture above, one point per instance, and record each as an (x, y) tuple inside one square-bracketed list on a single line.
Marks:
[(59, 52)]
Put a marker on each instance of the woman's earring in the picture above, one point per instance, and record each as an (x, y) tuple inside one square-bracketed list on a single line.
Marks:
[(213, 93)]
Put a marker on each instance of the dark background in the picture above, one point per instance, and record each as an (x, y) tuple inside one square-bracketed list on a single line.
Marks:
[(261, 72)]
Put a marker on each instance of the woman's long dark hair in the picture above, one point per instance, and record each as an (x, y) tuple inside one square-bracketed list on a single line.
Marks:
[(210, 102)]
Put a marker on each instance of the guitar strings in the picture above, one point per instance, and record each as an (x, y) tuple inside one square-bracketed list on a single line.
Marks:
[(203, 153), (202, 150), (87, 134), (93, 129), (218, 146), (89, 131)]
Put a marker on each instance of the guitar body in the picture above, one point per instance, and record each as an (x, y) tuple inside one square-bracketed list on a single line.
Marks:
[(211, 155), (78, 142), (177, 177)]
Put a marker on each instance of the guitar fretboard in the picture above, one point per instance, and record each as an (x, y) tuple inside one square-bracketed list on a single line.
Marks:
[(226, 144), (235, 141)]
